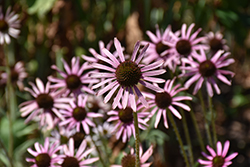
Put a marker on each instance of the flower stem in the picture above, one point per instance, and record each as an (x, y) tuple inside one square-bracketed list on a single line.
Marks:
[(187, 136), (10, 98), (212, 119), (205, 119), (170, 116), (137, 140), (6, 152), (97, 149), (198, 132)]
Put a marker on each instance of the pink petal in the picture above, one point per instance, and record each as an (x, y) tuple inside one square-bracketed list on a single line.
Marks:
[(219, 148), (119, 49), (136, 48), (175, 112), (225, 149)]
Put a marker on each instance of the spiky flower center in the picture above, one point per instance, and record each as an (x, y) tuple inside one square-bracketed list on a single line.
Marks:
[(43, 160), (70, 162), (215, 44), (14, 75), (78, 138), (126, 115), (183, 47), (207, 68), (218, 161), (128, 73), (163, 100), (4, 26), (160, 47), (73, 82), (45, 101), (79, 113), (128, 161)]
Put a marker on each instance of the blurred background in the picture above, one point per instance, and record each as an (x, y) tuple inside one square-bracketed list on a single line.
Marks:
[(55, 29)]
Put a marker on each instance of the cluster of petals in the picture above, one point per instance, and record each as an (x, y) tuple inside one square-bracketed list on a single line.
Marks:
[(17, 75), (45, 107), (157, 45), (207, 70), (125, 93), (54, 155), (45, 154), (173, 100), (10, 25), (74, 80), (126, 129), (218, 158), (69, 119), (190, 39), (215, 41), (94, 53), (81, 156)]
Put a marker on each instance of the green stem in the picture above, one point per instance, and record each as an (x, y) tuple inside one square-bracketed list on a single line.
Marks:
[(212, 119), (10, 98), (170, 116), (6, 152), (205, 118), (97, 149), (187, 136), (196, 126), (104, 143), (137, 140)]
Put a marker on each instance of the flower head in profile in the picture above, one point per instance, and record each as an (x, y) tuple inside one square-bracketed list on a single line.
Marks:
[(9, 25), (78, 159), (124, 75), (74, 80), (160, 102), (128, 160), (77, 114), (219, 158), (45, 155), (207, 70), (216, 42), (125, 122), (17, 75), (45, 107), (158, 50), (185, 44)]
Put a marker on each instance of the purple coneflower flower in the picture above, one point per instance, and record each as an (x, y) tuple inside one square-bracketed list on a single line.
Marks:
[(45, 155), (125, 122), (79, 159), (129, 159), (157, 50), (73, 80), (124, 75), (9, 25), (76, 115), (187, 43), (216, 42), (218, 159), (207, 70), (160, 102), (17, 75), (45, 106)]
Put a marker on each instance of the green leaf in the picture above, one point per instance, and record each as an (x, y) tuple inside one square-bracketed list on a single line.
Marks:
[(41, 7)]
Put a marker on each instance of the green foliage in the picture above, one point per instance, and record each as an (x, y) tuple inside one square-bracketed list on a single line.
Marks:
[(41, 7)]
